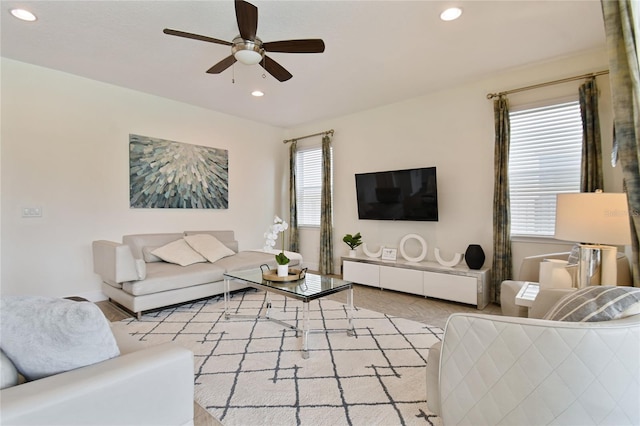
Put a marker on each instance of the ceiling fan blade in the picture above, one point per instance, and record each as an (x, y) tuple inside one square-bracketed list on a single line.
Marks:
[(247, 17), (275, 69), (222, 65), (295, 46), (195, 36)]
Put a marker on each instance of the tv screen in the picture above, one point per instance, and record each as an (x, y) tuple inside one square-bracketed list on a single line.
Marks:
[(410, 194)]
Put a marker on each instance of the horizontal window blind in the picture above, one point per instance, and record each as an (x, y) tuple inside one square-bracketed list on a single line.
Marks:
[(544, 160), (309, 185)]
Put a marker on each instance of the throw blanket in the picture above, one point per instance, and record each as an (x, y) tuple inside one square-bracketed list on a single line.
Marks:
[(44, 336)]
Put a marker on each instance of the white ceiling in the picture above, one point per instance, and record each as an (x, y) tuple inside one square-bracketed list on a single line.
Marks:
[(377, 52)]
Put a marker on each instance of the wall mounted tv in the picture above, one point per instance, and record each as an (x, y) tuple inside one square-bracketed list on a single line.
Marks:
[(410, 194)]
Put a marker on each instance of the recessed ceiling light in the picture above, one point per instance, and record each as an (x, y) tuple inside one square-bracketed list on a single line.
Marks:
[(451, 14), (23, 14), (257, 93)]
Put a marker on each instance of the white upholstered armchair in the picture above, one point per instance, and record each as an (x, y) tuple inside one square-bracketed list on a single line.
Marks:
[(491, 370)]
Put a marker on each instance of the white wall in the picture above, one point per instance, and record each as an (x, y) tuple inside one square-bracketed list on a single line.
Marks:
[(65, 149), (452, 130)]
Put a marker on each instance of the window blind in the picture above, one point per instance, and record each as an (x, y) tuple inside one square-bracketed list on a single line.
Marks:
[(309, 185), (544, 160)]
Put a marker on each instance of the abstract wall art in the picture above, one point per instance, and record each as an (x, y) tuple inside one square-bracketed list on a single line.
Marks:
[(167, 174)]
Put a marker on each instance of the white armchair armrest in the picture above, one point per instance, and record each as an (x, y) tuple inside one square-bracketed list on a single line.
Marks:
[(508, 370)]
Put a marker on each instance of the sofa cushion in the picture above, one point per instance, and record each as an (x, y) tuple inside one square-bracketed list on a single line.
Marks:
[(164, 276), (208, 246), (43, 336), (8, 373), (178, 252), (596, 303)]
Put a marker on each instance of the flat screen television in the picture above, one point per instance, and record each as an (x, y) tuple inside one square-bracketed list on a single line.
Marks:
[(410, 194)]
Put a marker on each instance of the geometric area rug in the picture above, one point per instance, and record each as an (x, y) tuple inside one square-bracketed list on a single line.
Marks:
[(251, 372)]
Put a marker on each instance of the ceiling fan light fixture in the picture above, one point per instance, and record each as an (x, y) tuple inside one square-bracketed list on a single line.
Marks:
[(257, 93), (247, 52), (451, 14), (248, 57)]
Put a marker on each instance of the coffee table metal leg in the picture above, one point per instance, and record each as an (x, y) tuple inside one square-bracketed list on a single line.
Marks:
[(226, 298), (305, 332), (351, 330), (267, 313)]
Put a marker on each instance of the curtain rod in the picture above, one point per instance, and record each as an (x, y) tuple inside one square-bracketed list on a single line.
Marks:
[(327, 132), (549, 83)]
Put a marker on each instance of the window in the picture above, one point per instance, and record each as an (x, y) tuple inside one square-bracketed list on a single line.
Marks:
[(309, 185), (544, 160)]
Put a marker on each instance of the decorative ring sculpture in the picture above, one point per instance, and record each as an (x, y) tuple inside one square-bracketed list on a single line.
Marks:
[(457, 258), (371, 254), (422, 242)]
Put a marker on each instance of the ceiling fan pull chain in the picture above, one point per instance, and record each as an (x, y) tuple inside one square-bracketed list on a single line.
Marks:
[(233, 74)]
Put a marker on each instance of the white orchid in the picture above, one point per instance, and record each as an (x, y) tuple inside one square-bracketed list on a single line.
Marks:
[(279, 226)]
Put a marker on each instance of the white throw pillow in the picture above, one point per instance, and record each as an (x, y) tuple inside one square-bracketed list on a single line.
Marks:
[(596, 303), (178, 252), (208, 246), (43, 336)]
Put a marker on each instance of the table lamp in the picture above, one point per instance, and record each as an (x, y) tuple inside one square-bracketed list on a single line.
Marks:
[(599, 221)]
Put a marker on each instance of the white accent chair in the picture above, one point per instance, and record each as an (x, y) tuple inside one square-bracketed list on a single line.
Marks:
[(491, 370)]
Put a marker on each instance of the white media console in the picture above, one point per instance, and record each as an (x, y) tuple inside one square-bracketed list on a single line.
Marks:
[(429, 279)]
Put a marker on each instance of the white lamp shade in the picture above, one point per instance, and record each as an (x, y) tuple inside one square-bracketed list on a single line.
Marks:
[(248, 57), (593, 217)]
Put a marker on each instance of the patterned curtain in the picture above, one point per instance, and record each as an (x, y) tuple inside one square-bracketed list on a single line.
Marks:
[(294, 239), (591, 165), (326, 215), (625, 90), (501, 268)]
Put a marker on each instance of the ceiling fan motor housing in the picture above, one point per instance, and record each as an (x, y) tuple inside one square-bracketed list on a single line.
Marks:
[(249, 52)]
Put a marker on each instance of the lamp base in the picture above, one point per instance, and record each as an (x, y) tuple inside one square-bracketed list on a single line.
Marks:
[(596, 265)]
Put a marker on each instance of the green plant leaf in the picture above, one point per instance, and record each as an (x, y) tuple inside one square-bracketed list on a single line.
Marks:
[(353, 241), (282, 259)]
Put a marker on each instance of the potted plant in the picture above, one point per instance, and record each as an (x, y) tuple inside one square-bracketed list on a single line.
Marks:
[(279, 226), (353, 241)]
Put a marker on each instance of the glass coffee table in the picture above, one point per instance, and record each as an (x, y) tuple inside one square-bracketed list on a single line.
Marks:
[(311, 287)]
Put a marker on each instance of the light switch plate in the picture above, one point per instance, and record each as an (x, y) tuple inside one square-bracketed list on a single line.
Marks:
[(32, 212)]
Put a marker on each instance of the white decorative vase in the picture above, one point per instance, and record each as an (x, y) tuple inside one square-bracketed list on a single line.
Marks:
[(371, 254), (352, 253), (457, 258), (283, 270)]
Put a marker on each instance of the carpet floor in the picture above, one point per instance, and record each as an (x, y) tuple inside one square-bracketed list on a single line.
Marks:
[(250, 371)]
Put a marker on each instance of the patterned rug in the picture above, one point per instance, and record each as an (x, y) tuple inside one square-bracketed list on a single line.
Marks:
[(250, 372)]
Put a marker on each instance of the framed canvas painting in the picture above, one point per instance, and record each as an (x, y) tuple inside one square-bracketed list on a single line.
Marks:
[(168, 174)]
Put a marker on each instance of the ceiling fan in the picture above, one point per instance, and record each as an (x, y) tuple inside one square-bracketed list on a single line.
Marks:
[(249, 49)]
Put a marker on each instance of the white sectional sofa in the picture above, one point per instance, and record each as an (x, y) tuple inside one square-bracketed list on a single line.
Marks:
[(140, 281)]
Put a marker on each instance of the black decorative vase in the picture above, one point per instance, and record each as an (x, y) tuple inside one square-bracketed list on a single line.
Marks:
[(474, 256)]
